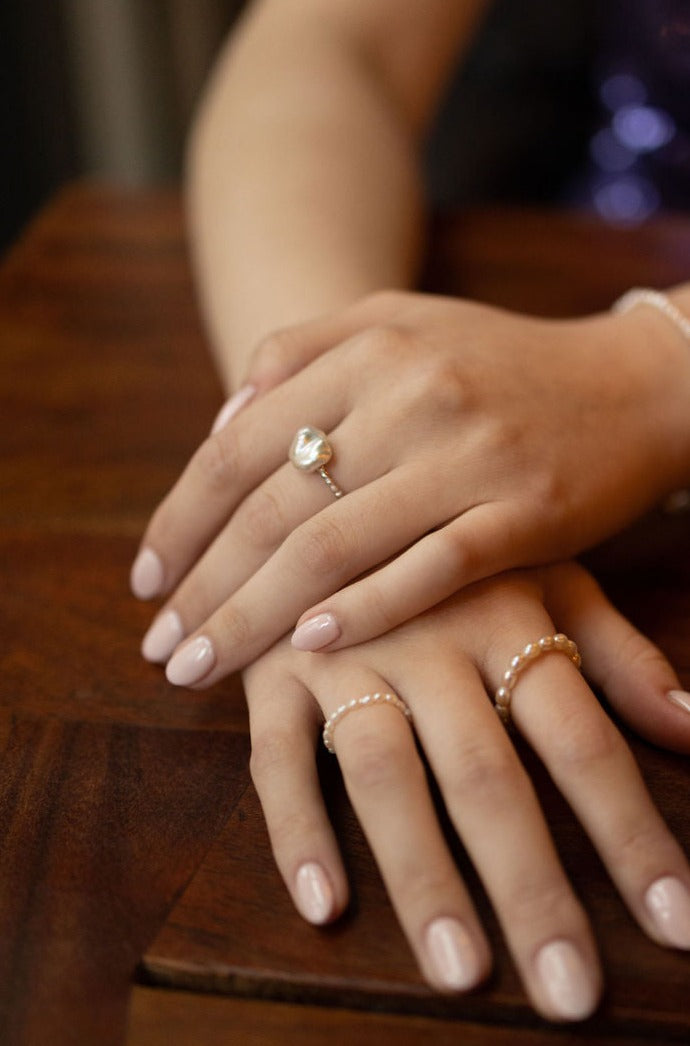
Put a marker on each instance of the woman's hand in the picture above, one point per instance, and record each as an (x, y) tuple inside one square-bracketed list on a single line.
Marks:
[(468, 441), (443, 665)]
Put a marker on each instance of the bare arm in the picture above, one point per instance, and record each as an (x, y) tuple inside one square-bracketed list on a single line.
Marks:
[(303, 184)]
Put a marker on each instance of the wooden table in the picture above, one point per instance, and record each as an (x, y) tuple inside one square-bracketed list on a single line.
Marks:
[(138, 899)]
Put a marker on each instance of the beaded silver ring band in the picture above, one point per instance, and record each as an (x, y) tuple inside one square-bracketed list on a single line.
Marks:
[(369, 700), (310, 451), (557, 644)]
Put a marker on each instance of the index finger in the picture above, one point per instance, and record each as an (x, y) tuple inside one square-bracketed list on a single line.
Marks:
[(227, 465)]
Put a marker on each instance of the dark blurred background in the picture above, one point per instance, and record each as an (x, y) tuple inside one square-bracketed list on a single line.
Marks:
[(583, 102), (101, 87)]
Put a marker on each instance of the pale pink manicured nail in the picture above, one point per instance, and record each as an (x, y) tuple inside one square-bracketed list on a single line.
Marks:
[(163, 636), (314, 893), (146, 578), (680, 698), (668, 902), (232, 407), (452, 953), (570, 986), (315, 632), (191, 662)]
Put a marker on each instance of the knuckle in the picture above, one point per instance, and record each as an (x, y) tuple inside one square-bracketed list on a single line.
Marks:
[(553, 489), (387, 342), (442, 382), (321, 548), (292, 831), (276, 353), (234, 628), (538, 900), (585, 741), (455, 550), (485, 772), (383, 300), (260, 520), (637, 842), (421, 890), (272, 752), (216, 459), (377, 762), (378, 609), (640, 654)]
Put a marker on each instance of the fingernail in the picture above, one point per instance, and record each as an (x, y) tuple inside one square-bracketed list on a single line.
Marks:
[(452, 953), (162, 637), (680, 698), (192, 662), (314, 893), (232, 407), (568, 983), (668, 902), (315, 632), (146, 578)]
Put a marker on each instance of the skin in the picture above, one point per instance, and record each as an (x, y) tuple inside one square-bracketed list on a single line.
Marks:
[(448, 468), (469, 641), (454, 427)]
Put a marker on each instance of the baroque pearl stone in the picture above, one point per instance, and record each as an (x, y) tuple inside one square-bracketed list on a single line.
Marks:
[(310, 449)]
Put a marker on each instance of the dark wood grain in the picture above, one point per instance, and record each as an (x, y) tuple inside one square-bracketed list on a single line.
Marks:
[(112, 783), (239, 934), (132, 844), (159, 1018), (100, 828)]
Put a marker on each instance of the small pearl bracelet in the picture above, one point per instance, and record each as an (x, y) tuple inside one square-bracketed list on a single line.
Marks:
[(361, 702), (679, 500), (559, 644), (657, 300)]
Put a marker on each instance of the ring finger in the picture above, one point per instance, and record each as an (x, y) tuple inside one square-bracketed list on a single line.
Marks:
[(491, 801), (595, 770)]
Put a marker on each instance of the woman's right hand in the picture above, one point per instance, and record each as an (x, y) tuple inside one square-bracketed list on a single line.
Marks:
[(442, 665), (469, 441)]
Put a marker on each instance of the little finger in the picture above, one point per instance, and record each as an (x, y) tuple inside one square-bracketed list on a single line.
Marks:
[(492, 804), (596, 772), (634, 674), (478, 543)]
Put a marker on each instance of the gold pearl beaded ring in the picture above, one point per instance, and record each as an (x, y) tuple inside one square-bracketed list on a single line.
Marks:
[(361, 702), (558, 644)]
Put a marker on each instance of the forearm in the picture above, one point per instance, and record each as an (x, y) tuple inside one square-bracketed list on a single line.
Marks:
[(303, 184)]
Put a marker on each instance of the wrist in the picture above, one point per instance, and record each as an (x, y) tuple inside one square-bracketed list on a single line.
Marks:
[(657, 331)]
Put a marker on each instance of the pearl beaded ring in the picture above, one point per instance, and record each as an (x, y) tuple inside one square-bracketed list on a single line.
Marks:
[(558, 644), (361, 702)]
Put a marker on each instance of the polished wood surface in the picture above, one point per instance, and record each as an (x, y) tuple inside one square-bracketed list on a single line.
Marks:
[(135, 863)]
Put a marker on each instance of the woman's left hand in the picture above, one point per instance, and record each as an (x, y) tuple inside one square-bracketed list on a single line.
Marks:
[(442, 665)]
